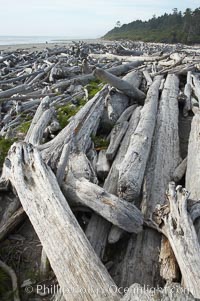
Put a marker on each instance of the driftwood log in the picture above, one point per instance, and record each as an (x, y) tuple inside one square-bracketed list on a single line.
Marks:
[(178, 227), (43, 202)]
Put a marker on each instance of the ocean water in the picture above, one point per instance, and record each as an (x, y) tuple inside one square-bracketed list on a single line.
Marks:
[(15, 40)]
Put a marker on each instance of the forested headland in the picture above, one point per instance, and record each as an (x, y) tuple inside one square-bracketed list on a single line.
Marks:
[(175, 27)]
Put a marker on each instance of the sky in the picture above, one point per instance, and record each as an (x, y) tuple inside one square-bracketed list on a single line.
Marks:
[(76, 18)]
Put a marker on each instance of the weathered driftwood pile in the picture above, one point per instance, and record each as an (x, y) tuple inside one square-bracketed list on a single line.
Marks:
[(143, 112)]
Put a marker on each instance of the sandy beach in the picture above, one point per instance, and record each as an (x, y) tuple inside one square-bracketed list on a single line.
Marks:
[(41, 46)]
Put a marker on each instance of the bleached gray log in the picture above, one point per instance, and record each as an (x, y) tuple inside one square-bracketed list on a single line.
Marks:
[(180, 171), (120, 84), (141, 263), (44, 105), (134, 78), (39, 128), (171, 292), (193, 164), (98, 225), (132, 168), (115, 234), (80, 166), (165, 148), (92, 156), (111, 181), (147, 77), (62, 163), (116, 137), (115, 210), (117, 102), (103, 166), (79, 173), (176, 224), (18, 89), (188, 92), (85, 79), (39, 76), (70, 255), (20, 78), (78, 131), (141, 59)]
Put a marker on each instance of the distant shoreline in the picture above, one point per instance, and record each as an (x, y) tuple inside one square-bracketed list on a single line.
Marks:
[(41, 46)]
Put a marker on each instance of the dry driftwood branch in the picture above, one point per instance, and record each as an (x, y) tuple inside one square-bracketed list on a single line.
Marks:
[(176, 224), (10, 272), (70, 255), (120, 84)]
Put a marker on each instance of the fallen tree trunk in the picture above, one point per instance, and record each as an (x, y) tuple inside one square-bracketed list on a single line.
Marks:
[(120, 84), (115, 210), (66, 246), (132, 168), (165, 148), (18, 89), (163, 160)]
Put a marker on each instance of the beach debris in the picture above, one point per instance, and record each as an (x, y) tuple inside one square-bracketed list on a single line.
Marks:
[(95, 135)]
